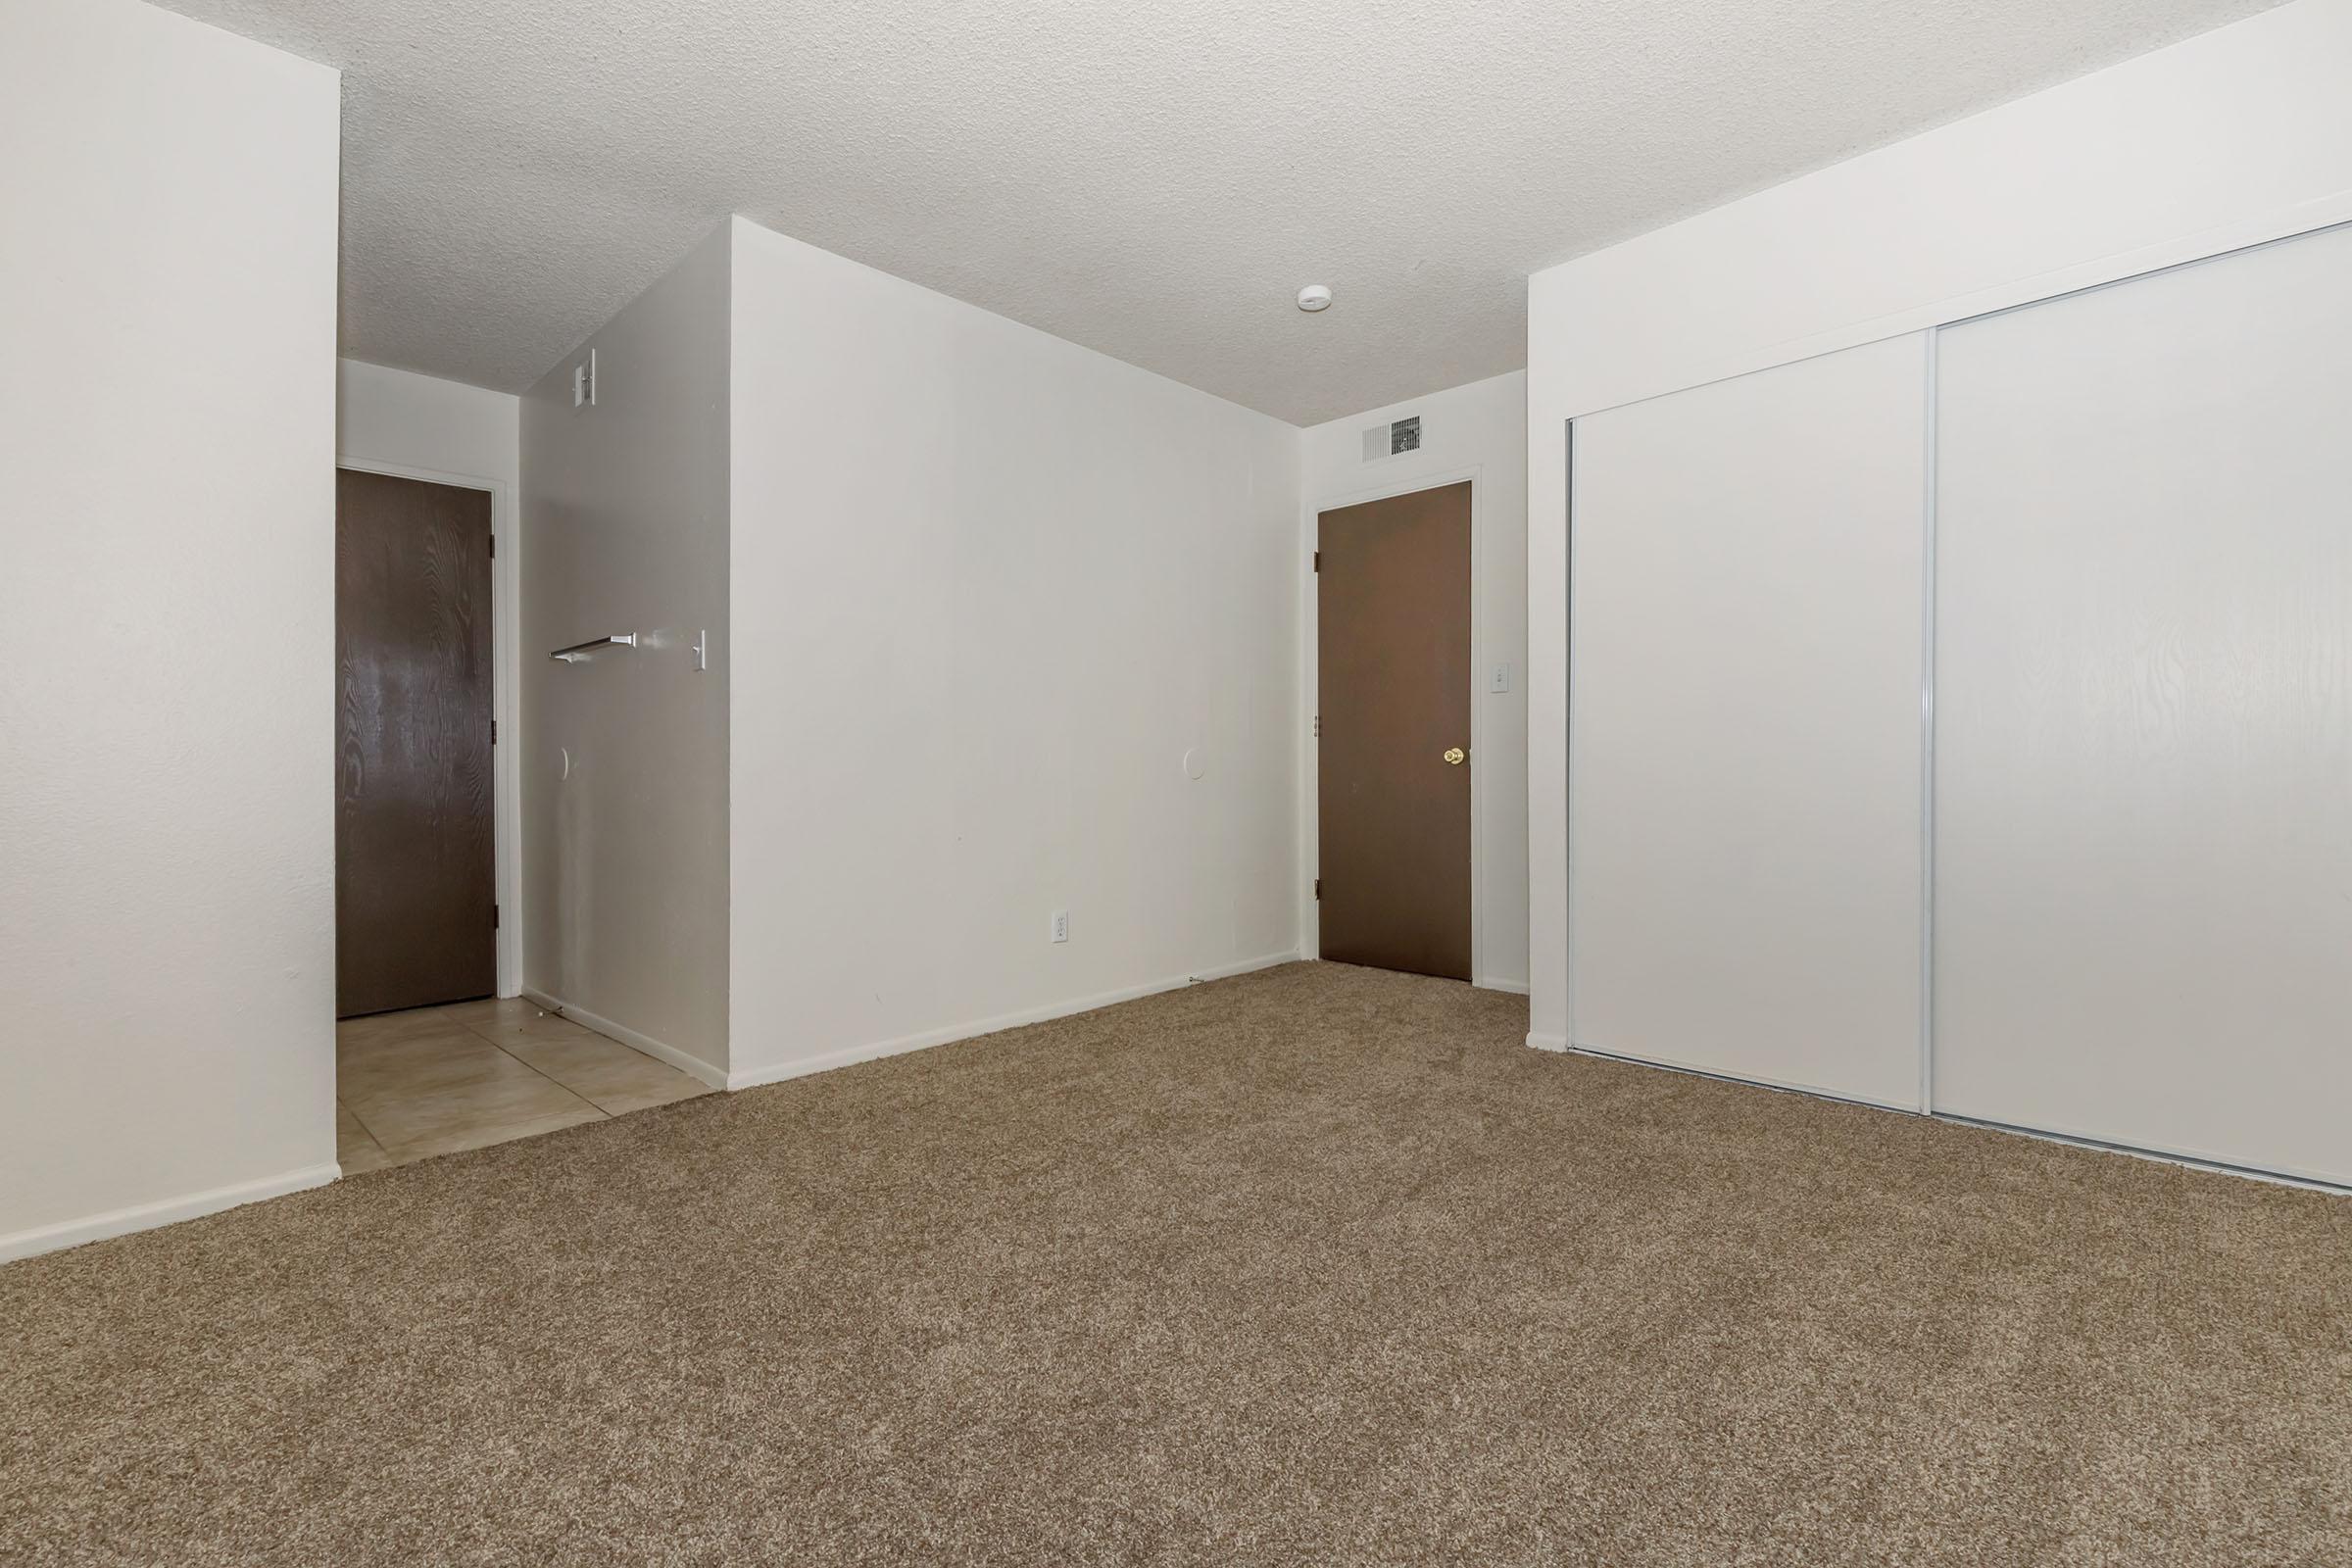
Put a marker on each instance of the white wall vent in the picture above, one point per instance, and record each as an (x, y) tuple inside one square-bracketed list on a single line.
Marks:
[(1394, 439)]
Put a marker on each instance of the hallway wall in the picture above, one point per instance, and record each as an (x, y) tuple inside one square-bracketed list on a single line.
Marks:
[(167, 620), (994, 588), (624, 754), (424, 421)]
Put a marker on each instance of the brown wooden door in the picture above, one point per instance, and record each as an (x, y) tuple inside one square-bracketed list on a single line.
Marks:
[(1393, 592), (415, 886)]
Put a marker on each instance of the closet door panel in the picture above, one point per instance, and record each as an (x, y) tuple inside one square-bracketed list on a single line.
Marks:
[(2143, 869), (1745, 734)]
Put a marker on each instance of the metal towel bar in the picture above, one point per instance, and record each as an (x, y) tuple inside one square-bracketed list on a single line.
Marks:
[(581, 651)]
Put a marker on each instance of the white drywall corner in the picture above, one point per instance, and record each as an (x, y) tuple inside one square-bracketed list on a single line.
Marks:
[(992, 588)]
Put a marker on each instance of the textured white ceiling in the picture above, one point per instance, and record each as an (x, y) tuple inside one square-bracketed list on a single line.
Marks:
[(1153, 180)]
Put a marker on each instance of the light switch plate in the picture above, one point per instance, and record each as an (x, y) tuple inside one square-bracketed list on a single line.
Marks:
[(1501, 679)]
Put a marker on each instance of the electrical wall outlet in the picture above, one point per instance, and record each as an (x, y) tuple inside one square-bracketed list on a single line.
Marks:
[(1061, 925)]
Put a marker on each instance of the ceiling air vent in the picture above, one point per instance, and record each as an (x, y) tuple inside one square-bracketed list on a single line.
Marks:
[(1394, 439)]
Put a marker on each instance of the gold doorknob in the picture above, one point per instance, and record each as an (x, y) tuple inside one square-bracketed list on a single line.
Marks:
[(1454, 756)]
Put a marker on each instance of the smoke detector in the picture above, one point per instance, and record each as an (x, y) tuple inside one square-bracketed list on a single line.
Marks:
[(1314, 297)]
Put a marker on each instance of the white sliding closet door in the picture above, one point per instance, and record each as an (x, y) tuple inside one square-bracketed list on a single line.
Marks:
[(1744, 818), (2144, 918)]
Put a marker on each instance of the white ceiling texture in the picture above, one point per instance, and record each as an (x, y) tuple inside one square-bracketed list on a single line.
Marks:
[(1153, 180)]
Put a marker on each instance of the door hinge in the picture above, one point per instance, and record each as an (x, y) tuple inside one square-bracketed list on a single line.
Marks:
[(1318, 726), (494, 917), (1318, 561), (1318, 887), (494, 547), (494, 732)]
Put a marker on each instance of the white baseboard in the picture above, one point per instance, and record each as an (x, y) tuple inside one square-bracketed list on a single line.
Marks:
[(170, 1211), (715, 1077), (2307, 1180), (849, 1055), (1516, 988), (1542, 1042), (1779, 1086)]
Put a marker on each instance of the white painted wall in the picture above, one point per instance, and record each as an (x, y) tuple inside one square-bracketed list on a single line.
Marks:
[(2236, 135), (993, 587), (402, 419), (424, 427), (1478, 432), (625, 528), (167, 620)]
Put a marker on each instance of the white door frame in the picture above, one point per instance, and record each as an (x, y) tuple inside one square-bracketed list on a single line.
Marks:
[(1310, 931), (506, 684)]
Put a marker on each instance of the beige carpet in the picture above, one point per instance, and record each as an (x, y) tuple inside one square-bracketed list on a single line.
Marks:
[(1319, 1265)]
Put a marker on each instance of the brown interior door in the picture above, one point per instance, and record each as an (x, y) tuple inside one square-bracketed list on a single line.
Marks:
[(1393, 639), (416, 916)]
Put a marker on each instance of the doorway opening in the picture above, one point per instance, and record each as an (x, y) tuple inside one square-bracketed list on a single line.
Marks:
[(429, 1058), (1393, 878)]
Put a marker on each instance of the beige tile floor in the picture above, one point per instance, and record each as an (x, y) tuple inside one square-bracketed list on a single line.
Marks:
[(435, 1080)]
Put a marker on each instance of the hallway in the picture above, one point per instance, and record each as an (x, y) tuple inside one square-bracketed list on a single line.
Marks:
[(435, 1080)]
